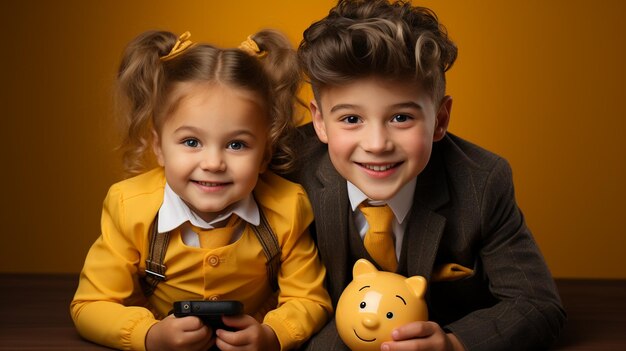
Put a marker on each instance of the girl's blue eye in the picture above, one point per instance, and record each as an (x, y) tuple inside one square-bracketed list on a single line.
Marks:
[(191, 143), (351, 119), (236, 145), (362, 305), (389, 315)]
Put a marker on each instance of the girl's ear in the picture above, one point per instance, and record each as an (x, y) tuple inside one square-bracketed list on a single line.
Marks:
[(318, 121), (156, 148), (443, 118)]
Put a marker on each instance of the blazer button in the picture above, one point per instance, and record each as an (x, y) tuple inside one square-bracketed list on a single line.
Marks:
[(213, 260)]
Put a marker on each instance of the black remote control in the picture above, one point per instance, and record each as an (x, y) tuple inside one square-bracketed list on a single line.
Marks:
[(210, 312)]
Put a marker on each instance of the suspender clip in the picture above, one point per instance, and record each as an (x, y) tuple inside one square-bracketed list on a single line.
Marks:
[(155, 275)]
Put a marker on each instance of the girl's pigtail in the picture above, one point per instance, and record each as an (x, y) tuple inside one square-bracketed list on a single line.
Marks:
[(139, 85), (280, 63)]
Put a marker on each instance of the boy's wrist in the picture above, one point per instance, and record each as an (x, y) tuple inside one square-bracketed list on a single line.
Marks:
[(454, 343)]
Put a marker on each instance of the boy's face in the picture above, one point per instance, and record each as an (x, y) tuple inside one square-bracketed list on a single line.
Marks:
[(379, 132)]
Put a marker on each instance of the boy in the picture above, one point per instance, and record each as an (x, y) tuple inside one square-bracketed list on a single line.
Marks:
[(378, 76)]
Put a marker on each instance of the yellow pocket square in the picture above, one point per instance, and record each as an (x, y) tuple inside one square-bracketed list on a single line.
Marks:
[(448, 272)]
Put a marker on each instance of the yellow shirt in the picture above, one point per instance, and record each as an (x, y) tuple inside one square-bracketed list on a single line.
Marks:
[(109, 308)]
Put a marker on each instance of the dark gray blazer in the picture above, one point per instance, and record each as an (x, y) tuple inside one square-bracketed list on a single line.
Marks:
[(464, 212)]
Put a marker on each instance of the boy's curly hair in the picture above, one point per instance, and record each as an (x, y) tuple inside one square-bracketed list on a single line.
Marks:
[(362, 38)]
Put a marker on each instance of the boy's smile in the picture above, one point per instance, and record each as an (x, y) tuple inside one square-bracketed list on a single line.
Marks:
[(379, 170), (379, 132)]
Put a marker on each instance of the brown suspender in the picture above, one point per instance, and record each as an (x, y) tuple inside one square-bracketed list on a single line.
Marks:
[(155, 269), (157, 245), (268, 240)]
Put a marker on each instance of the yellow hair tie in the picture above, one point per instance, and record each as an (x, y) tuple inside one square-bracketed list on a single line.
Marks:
[(183, 43), (250, 47)]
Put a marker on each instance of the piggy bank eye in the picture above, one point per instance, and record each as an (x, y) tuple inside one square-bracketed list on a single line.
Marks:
[(362, 304), (389, 315)]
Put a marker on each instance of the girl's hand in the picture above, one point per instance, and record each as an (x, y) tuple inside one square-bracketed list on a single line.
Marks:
[(250, 335), (422, 336), (187, 333)]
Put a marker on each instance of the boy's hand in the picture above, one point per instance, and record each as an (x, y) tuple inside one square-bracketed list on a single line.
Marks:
[(171, 333), (422, 336), (250, 335)]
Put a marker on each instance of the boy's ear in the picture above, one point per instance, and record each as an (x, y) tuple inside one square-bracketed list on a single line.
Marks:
[(318, 122), (443, 118), (156, 148)]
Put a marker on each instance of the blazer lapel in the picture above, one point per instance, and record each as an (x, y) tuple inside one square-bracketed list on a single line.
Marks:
[(426, 226), (423, 235), (331, 217)]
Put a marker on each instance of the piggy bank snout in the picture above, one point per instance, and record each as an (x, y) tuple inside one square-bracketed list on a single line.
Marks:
[(370, 320)]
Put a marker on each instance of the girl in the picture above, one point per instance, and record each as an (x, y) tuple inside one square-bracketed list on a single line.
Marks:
[(215, 119)]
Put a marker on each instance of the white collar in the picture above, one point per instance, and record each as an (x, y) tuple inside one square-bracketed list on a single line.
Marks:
[(174, 212), (400, 203)]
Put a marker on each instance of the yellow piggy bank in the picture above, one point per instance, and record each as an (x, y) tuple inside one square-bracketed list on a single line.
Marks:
[(375, 303)]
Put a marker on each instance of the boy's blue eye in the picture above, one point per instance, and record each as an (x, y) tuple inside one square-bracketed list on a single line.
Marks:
[(191, 142), (400, 118), (236, 145), (362, 304)]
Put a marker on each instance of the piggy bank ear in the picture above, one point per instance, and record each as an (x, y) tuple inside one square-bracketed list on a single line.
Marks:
[(363, 266), (417, 285)]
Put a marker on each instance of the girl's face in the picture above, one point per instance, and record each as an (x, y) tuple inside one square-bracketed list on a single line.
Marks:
[(213, 146)]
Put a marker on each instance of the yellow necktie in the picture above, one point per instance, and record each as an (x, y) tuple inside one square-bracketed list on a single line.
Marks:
[(217, 237), (379, 240)]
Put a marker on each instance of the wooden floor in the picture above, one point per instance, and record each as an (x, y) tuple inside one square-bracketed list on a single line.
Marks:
[(34, 314), (35, 310), (596, 312)]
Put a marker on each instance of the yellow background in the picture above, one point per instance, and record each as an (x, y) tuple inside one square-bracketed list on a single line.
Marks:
[(539, 82)]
